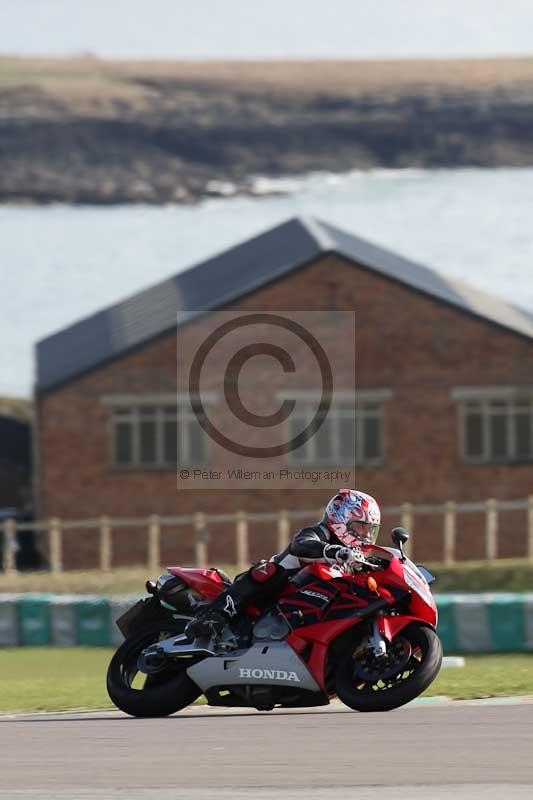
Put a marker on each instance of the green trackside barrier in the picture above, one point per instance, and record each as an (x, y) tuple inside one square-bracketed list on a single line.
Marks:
[(9, 627), (446, 627), (468, 623), (486, 623), (93, 622), (34, 619), (507, 623)]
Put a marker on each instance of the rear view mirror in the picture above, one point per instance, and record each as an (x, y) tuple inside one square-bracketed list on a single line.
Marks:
[(399, 537)]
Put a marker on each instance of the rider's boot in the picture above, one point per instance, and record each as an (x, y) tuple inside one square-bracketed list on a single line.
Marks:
[(212, 620), (261, 581)]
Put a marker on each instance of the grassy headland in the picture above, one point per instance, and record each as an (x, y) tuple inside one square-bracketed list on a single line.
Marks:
[(93, 131)]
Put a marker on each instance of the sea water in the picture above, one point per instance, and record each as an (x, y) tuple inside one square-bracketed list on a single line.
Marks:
[(59, 263)]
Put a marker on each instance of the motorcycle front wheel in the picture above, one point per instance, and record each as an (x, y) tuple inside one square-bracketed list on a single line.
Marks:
[(156, 695), (366, 683)]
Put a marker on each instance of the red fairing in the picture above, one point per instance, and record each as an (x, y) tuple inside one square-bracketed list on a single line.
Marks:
[(323, 571), (321, 603), (205, 581), (389, 627), (320, 637)]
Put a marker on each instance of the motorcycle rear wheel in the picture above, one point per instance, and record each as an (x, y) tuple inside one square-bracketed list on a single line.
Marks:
[(397, 689), (163, 693)]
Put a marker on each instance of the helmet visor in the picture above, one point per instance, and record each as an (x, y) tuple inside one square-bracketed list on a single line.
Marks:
[(365, 532)]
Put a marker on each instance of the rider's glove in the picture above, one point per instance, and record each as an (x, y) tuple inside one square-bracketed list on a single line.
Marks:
[(338, 553)]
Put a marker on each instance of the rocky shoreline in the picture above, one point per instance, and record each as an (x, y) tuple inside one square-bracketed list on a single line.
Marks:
[(103, 133)]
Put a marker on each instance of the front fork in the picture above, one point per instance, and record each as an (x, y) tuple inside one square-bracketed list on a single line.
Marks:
[(377, 642)]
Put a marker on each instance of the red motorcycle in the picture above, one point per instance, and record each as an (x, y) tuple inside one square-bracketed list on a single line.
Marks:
[(363, 632)]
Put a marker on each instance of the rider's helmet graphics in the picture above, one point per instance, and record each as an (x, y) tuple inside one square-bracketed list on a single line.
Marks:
[(353, 516)]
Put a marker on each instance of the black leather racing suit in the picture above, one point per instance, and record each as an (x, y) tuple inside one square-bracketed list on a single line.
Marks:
[(266, 579), (307, 545)]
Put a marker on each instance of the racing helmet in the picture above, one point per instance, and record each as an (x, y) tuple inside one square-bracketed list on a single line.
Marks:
[(353, 517)]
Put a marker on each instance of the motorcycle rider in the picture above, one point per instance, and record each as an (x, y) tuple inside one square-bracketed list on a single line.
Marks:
[(351, 518)]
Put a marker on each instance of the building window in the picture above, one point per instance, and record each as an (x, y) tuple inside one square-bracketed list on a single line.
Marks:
[(496, 429), (352, 432), (147, 434)]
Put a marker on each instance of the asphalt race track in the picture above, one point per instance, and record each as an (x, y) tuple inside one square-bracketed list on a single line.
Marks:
[(464, 751)]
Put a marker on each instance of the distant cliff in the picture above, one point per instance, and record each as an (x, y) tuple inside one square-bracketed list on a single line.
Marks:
[(91, 131)]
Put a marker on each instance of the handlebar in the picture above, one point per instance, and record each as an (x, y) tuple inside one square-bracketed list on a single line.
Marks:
[(355, 561)]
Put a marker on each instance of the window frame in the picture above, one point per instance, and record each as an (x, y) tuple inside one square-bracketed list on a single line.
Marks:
[(512, 399), (359, 399), (135, 403)]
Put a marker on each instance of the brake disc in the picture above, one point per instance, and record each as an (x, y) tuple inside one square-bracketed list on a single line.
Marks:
[(369, 667)]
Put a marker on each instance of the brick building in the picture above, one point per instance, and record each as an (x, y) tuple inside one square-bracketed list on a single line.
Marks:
[(443, 408)]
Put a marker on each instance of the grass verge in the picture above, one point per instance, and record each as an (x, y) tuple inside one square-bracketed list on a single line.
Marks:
[(54, 679), (120, 581), (505, 575), (486, 676)]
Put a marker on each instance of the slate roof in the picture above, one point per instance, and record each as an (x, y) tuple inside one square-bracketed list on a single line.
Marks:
[(228, 276)]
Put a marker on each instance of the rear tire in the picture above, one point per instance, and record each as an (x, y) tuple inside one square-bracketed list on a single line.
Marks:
[(412, 679), (163, 693)]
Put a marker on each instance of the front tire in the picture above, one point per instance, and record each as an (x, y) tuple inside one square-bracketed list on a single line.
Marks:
[(394, 689), (163, 693)]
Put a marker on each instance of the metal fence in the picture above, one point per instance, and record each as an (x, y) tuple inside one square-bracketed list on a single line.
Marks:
[(154, 529)]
